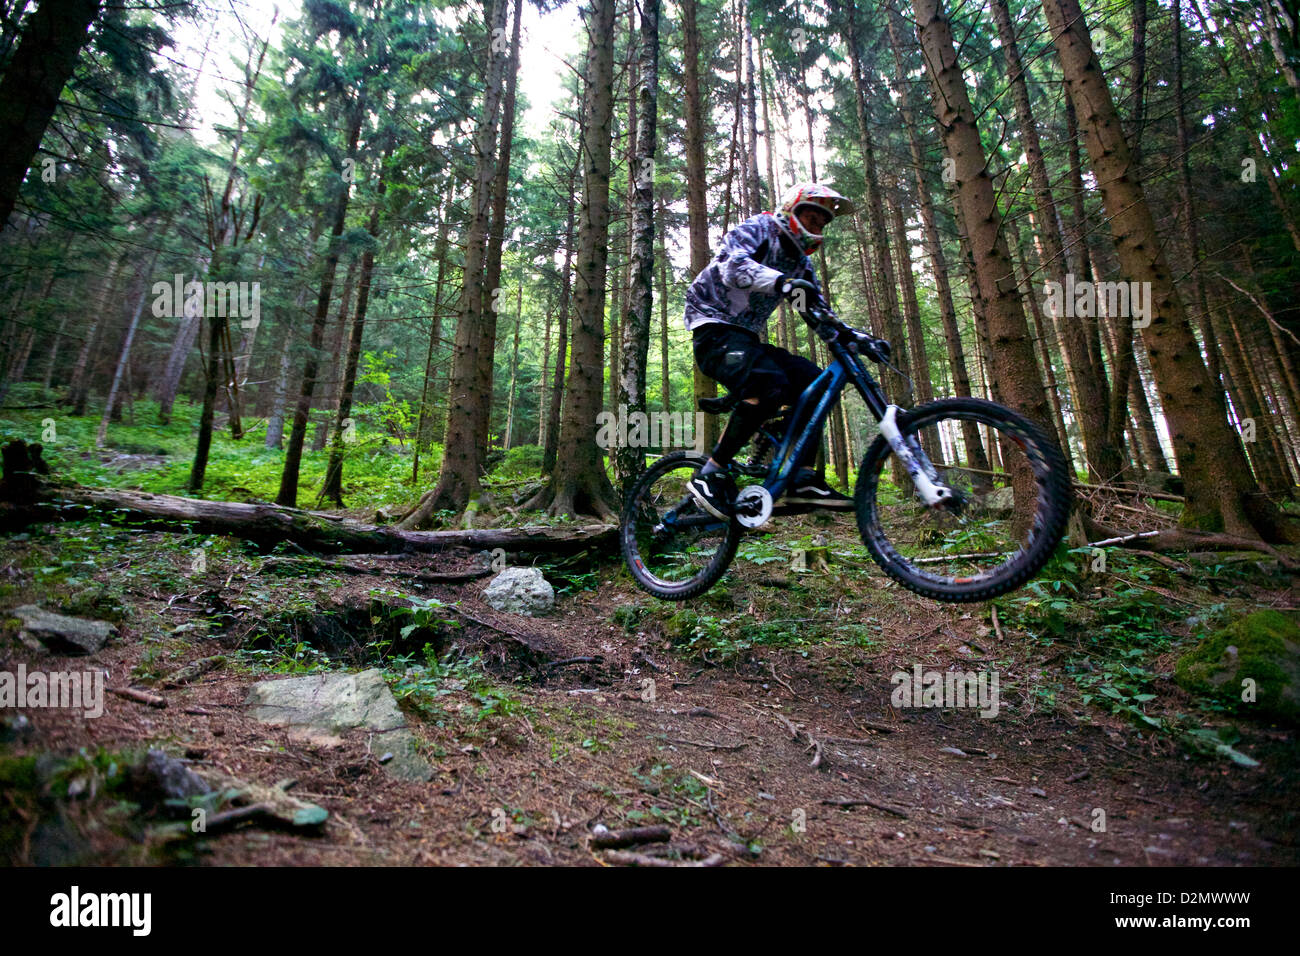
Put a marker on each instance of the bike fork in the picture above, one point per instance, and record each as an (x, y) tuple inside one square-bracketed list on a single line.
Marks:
[(925, 478)]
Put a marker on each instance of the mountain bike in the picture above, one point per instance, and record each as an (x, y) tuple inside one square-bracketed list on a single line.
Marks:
[(958, 499)]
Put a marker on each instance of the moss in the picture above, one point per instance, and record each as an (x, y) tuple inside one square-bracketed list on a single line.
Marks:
[(628, 616), (97, 601), (681, 626), (17, 774), (1208, 521), (1264, 647)]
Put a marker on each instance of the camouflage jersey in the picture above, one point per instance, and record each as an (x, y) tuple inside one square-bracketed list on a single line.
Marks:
[(742, 286)]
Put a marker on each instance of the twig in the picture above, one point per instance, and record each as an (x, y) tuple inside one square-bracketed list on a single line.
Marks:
[(997, 627), (865, 802), (707, 745), (628, 858), (849, 742), (139, 696), (575, 660), (631, 836), (776, 677)]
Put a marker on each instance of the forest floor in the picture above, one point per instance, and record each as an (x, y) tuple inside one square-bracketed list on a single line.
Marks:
[(1091, 759)]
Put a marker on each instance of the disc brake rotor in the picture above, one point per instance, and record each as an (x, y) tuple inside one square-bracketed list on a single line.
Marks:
[(754, 506)]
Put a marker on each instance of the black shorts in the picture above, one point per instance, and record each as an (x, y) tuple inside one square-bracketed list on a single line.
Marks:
[(735, 357)]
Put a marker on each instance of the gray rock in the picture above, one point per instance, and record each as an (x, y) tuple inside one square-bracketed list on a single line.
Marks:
[(1000, 501), (331, 703), (520, 591), (167, 778), (61, 634)]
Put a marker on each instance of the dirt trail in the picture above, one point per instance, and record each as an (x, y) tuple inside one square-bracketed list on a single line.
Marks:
[(722, 753)]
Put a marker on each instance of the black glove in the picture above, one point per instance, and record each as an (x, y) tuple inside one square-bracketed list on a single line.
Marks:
[(827, 331), (796, 290)]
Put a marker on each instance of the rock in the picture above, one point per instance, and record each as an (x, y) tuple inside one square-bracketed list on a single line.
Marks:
[(63, 635), (166, 778), (1000, 501), (1263, 647), (330, 701), (327, 704), (520, 591)]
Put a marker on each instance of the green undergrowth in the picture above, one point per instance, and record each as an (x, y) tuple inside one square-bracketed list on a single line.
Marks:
[(1114, 622), (377, 462)]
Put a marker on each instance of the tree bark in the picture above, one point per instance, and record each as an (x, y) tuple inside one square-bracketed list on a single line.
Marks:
[(492, 292), (288, 494), (1220, 493), (32, 83), (629, 462), (578, 484), (696, 201), (462, 458), (1088, 386)]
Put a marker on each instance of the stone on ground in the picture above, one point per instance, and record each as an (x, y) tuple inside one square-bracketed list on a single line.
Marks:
[(1263, 647), (322, 705), (61, 634), (520, 591)]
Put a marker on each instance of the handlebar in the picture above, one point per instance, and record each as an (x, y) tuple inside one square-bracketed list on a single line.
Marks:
[(829, 329)]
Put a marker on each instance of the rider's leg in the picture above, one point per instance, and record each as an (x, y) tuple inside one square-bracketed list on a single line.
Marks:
[(799, 373), (737, 359)]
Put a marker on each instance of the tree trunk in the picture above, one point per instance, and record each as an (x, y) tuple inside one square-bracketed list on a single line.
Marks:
[(124, 355), (514, 371), (877, 223), (31, 85), (696, 201), (79, 386), (422, 426), (578, 483), (462, 458), (267, 524), (1087, 385), (562, 333), (332, 488), (665, 385), (333, 385), (1010, 352), (934, 247), (1220, 494), (288, 494), (275, 421), (492, 291), (629, 461)]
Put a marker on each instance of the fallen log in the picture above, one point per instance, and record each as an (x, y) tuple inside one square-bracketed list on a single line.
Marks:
[(26, 497), (1181, 539)]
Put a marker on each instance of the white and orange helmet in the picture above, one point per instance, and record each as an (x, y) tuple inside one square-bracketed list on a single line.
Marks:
[(816, 194)]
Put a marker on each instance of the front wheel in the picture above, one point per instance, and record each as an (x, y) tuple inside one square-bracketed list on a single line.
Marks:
[(674, 549), (1010, 503)]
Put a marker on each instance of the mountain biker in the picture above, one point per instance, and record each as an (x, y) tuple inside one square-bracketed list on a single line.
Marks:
[(762, 260)]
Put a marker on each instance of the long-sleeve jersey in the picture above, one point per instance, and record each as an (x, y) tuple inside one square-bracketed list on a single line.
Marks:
[(742, 285)]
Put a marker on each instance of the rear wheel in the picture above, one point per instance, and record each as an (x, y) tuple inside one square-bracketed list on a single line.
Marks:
[(674, 549), (1003, 521)]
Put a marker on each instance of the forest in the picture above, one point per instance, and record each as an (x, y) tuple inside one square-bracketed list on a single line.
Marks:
[(318, 316)]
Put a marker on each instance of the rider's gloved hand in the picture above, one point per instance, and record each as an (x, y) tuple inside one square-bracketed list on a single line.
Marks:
[(801, 293), (827, 331)]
